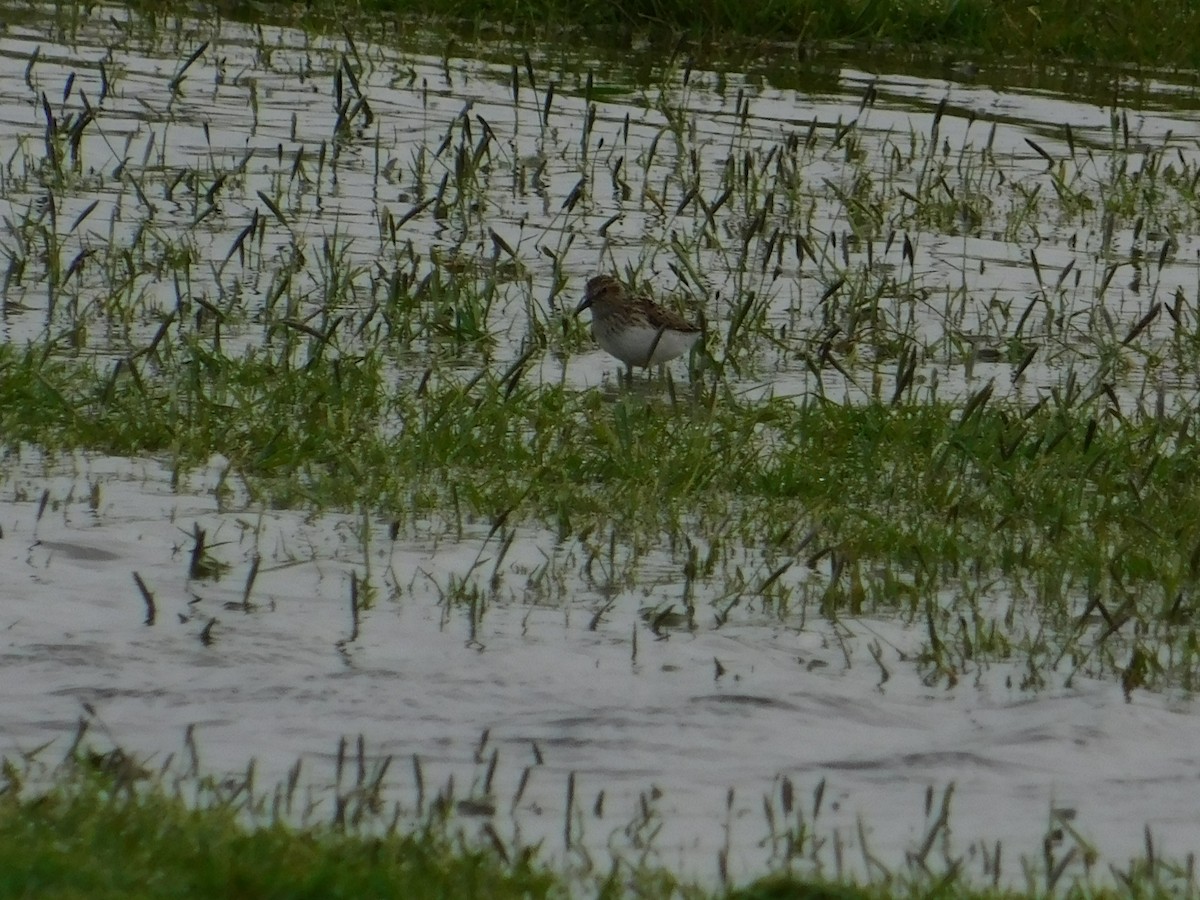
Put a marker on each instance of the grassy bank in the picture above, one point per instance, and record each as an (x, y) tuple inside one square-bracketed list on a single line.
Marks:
[(91, 836), (101, 826)]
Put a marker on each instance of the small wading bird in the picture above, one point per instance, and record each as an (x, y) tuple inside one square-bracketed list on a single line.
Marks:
[(635, 330)]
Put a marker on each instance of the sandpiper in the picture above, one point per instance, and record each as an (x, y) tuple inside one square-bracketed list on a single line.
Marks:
[(635, 330)]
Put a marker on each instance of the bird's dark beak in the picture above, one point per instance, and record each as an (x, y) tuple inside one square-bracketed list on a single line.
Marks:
[(583, 304)]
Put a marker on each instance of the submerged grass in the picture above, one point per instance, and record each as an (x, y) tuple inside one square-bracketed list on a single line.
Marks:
[(1091, 513), (925, 480)]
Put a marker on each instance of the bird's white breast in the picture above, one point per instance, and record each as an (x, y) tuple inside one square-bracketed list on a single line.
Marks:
[(632, 343)]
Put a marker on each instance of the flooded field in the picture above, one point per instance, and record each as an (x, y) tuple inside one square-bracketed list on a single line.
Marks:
[(713, 692), (701, 749)]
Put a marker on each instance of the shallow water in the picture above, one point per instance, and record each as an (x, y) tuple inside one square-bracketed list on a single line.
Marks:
[(551, 651)]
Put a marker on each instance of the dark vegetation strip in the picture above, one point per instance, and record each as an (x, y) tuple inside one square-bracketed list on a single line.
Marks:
[(1157, 33)]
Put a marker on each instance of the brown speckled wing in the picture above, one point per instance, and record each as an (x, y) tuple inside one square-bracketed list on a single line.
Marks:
[(664, 318)]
